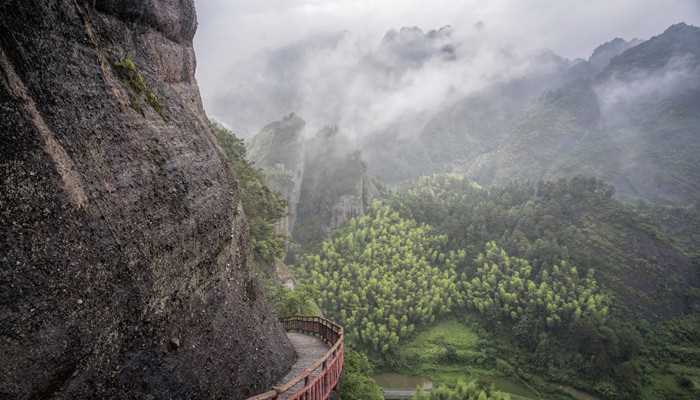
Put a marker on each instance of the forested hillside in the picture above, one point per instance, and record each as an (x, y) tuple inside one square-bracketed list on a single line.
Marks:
[(566, 282), (576, 220)]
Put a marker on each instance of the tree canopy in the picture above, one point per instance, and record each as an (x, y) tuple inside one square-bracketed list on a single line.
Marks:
[(382, 276)]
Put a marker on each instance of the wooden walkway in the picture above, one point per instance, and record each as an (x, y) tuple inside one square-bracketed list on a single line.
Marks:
[(309, 349), (320, 348)]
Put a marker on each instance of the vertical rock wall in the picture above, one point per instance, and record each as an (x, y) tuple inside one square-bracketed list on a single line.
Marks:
[(123, 270)]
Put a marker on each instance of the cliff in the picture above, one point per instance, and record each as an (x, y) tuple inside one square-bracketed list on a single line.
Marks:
[(278, 149), (124, 248), (323, 178), (335, 186)]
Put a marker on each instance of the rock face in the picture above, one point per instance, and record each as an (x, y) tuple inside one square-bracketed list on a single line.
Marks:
[(279, 150), (323, 178), (334, 188), (123, 270)]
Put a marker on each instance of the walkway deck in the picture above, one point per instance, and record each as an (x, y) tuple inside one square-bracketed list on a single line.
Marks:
[(320, 348), (309, 349)]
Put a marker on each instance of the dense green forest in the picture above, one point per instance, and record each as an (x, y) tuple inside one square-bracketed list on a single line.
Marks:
[(567, 283), (575, 220), (556, 299), (381, 276)]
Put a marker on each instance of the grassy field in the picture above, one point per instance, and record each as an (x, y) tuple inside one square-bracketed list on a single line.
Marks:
[(453, 350)]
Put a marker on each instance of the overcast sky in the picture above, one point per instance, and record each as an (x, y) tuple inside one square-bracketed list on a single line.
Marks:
[(229, 29), (234, 30)]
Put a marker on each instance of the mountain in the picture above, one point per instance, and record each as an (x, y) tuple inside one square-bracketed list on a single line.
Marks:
[(420, 102), (322, 178), (647, 137), (604, 53), (335, 186), (278, 149), (123, 267), (678, 41), (411, 47), (547, 132), (629, 115)]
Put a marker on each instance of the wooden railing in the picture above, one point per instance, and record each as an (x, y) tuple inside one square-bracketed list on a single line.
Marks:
[(328, 368)]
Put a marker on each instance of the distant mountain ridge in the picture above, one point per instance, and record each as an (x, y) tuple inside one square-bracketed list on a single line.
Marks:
[(604, 53), (630, 115)]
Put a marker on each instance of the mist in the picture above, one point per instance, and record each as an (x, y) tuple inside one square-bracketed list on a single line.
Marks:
[(330, 62)]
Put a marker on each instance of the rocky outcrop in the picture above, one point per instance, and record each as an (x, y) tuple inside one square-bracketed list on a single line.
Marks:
[(278, 149), (334, 188), (604, 53), (123, 246), (323, 178), (411, 47)]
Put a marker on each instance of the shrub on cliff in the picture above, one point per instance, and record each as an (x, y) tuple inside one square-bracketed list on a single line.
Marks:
[(262, 206), (290, 302)]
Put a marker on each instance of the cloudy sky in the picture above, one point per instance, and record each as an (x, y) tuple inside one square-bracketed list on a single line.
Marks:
[(229, 29), (233, 31)]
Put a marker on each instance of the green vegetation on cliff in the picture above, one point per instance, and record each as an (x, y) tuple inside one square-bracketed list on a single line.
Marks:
[(290, 302), (127, 71), (262, 207)]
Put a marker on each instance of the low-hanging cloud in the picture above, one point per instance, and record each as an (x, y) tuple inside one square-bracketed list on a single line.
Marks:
[(325, 59), (680, 74)]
